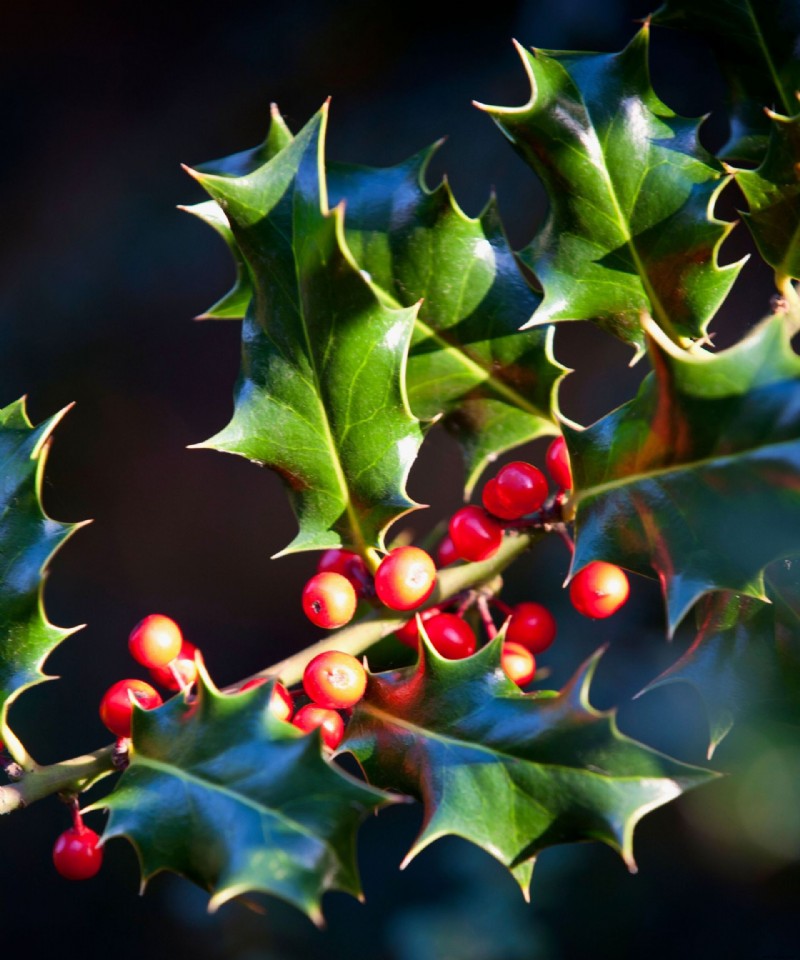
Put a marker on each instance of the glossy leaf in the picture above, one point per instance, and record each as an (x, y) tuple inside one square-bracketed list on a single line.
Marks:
[(223, 793), (511, 772), (233, 305), (321, 396), (468, 359), (756, 45), (697, 479), (773, 197), (630, 230), (28, 540), (732, 662)]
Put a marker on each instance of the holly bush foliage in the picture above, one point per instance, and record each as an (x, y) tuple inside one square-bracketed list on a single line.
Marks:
[(372, 308)]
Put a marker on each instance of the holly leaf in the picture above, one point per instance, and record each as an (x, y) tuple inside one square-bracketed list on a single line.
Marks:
[(755, 43), (321, 396), (695, 479), (732, 662), (468, 361), (511, 772), (223, 793), (773, 196), (233, 305), (629, 232), (28, 540)]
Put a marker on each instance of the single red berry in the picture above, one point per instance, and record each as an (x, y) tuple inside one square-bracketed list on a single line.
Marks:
[(311, 716), (518, 663), (350, 565), (76, 853), (116, 707), (329, 600), (335, 680), (451, 636), (475, 534), (184, 665), (532, 626), (155, 641), (599, 589), (557, 462), (521, 487), (405, 578), (495, 506), (446, 552)]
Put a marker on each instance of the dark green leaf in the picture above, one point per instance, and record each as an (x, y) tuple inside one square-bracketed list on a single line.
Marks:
[(733, 661), (696, 479), (468, 359), (28, 540), (511, 772), (756, 45), (773, 196), (223, 793), (321, 397), (233, 305), (629, 232)]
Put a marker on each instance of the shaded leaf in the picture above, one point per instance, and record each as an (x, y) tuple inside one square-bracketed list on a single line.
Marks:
[(511, 772), (697, 479), (321, 396), (630, 230), (223, 793), (28, 540), (732, 663), (756, 45), (773, 196)]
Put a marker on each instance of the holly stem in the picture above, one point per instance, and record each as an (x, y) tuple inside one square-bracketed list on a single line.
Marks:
[(68, 776), (486, 617)]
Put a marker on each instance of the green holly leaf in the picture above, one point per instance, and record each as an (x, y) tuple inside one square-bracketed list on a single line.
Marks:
[(630, 231), (28, 540), (233, 305), (511, 772), (223, 793), (695, 479), (732, 662), (321, 397), (468, 360), (756, 45), (494, 385), (773, 196)]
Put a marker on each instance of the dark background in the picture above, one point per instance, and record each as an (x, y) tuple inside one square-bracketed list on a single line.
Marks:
[(99, 279)]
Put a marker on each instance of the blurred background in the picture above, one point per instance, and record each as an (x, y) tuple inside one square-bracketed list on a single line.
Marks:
[(100, 277)]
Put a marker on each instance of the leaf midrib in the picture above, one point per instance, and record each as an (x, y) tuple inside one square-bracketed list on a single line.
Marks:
[(631, 479), (787, 106)]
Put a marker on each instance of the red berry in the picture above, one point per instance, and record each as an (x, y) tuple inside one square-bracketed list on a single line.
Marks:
[(446, 552), (116, 707), (311, 716), (557, 462), (155, 641), (475, 534), (184, 664), (531, 626), (281, 703), (518, 663), (405, 578), (495, 506), (599, 589), (409, 634), (521, 487), (329, 600), (451, 636), (76, 853), (350, 565), (335, 680)]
